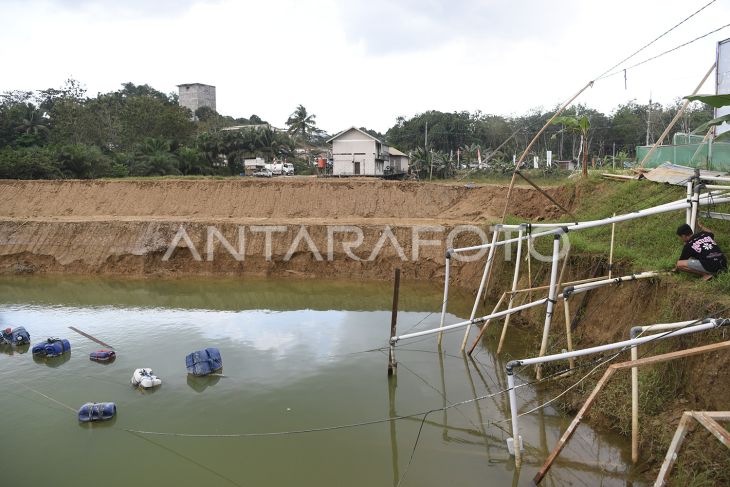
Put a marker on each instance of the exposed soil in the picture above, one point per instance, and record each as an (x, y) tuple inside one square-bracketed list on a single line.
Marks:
[(126, 226)]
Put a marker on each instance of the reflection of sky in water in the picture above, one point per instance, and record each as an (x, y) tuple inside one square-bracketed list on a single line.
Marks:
[(296, 358)]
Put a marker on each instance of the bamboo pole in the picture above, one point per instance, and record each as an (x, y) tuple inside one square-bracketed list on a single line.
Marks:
[(568, 331), (542, 192), (532, 142), (610, 254), (599, 386), (515, 281), (486, 323), (676, 118)]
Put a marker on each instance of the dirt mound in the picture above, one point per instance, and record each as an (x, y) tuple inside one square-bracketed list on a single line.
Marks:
[(284, 198)]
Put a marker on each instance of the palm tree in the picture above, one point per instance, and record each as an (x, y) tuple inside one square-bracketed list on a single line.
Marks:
[(33, 122), (301, 123)]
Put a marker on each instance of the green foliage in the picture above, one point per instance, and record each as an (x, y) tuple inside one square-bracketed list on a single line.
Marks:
[(29, 163), (301, 123), (83, 162)]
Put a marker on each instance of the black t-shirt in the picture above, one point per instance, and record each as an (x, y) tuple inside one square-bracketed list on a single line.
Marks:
[(702, 246)]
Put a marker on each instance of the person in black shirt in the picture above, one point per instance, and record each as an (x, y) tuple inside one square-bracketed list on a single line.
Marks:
[(701, 255)]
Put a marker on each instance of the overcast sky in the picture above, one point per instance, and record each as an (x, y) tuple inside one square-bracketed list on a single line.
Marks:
[(362, 62)]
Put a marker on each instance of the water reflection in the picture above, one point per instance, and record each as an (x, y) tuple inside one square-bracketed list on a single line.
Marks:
[(53, 362), (287, 369)]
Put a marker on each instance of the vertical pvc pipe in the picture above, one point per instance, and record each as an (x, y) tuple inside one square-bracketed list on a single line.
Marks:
[(610, 255), (515, 280), (487, 266), (550, 303), (688, 218), (695, 207), (568, 331), (634, 407), (513, 412), (446, 293)]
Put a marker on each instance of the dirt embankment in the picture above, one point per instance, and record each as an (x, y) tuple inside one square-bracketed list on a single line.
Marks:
[(232, 226)]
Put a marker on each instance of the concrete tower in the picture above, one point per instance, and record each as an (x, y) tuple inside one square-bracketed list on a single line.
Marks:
[(196, 95)]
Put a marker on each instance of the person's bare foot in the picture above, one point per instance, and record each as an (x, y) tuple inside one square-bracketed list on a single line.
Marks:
[(707, 277)]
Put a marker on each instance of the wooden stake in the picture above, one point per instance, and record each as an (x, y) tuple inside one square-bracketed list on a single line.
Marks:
[(610, 255), (392, 364), (676, 118), (484, 326), (602, 382), (90, 337), (568, 331)]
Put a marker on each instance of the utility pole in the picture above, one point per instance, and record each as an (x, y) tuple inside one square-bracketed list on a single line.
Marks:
[(428, 154), (648, 122)]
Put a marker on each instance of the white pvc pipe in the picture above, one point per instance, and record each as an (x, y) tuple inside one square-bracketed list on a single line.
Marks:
[(708, 324), (461, 324), (718, 216), (515, 416), (715, 178), (551, 300), (487, 267), (589, 224), (635, 381), (613, 346), (446, 294), (695, 207), (581, 288), (716, 186), (689, 198)]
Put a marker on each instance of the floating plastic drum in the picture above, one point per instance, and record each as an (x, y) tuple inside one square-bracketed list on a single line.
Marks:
[(204, 362), (103, 355), (52, 347), (97, 411), (145, 378)]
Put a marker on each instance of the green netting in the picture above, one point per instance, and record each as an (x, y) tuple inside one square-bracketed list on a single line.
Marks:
[(680, 138), (692, 155)]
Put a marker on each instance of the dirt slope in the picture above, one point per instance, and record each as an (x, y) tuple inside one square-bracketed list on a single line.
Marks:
[(282, 198)]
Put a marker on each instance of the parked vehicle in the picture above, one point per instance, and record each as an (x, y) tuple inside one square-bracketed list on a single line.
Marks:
[(263, 173), (288, 169)]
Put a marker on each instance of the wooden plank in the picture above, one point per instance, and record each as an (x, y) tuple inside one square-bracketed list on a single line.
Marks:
[(713, 427), (90, 337), (573, 425), (671, 457), (672, 356), (607, 375)]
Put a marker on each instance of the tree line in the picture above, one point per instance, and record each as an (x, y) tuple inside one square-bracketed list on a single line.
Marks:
[(140, 131), (444, 138), (134, 131)]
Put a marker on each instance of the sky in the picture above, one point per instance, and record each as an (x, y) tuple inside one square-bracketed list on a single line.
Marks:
[(364, 62)]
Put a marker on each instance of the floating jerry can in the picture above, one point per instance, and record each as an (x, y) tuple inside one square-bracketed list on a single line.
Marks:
[(97, 411)]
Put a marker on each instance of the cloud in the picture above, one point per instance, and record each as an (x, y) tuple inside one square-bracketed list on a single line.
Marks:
[(125, 8), (386, 27)]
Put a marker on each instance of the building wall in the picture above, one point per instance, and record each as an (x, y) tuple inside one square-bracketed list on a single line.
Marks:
[(194, 96), (352, 147)]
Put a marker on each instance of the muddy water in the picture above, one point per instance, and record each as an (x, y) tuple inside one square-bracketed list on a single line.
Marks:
[(296, 357)]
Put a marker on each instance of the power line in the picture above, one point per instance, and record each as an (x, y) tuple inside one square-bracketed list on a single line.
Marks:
[(652, 42), (664, 53)]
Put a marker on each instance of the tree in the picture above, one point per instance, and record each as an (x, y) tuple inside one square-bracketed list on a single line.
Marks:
[(579, 125), (153, 158), (301, 123)]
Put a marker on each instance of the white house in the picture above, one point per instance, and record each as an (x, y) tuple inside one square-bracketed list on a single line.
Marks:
[(355, 152), (398, 161)]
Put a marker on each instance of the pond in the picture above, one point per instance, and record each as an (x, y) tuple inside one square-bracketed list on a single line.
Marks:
[(303, 368)]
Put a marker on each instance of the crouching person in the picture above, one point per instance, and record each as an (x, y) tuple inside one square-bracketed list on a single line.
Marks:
[(701, 255)]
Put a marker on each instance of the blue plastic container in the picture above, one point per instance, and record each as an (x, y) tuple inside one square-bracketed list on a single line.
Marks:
[(103, 355), (204, 362), (17, 336), (97, 411), (53, 347)]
